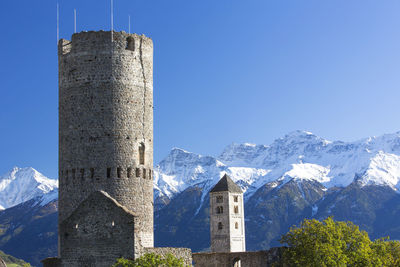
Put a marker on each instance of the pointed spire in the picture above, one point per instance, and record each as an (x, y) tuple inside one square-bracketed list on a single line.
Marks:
[(226, 184)]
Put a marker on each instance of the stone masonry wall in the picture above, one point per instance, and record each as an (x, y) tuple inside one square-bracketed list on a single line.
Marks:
[(97, 233), (220, 238), (242, 259), (105, 116)]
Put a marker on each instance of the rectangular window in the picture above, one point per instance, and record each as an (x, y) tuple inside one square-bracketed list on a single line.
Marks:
[(141, 153), (91, 173), (119, 172), (235, 198), (129, 172), (108, 172)]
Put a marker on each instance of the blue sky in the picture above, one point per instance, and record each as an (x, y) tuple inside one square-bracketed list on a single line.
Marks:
[(224, 71)]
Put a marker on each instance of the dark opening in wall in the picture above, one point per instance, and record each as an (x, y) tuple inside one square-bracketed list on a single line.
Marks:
[(119, 172), (236, 262), (220, 226), (220, 199), (129, 172), (235, 198), (150, 174), (144, 173), (236, 209), (236, 225), (82, 173), (219, 210), (130, 43), (137, 172), (91, 173), (73, 173), (141, 153), (108, 172)]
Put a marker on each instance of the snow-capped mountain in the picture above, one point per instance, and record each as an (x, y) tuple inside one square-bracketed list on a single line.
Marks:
[(298, 155), (22, 184)]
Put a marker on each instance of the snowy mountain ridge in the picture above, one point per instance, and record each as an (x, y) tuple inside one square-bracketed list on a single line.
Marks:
[(299, 155), (22, 184)]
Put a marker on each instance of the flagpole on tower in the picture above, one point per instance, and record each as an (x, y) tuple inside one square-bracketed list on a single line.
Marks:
[(74, 20), (112, 19), (58, 22), (129, 23)]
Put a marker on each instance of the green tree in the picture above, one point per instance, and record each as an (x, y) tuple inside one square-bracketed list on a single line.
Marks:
[(151, 260), (334, 243)]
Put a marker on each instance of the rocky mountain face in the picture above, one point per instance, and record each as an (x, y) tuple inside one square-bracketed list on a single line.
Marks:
[(297, 176)]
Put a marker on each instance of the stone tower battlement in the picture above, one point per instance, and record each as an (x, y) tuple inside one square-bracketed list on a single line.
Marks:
[(106, 124)]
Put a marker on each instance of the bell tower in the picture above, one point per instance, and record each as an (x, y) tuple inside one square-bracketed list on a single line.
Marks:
[(227, 217)]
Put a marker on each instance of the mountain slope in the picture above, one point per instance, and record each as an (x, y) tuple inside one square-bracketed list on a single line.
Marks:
[(29, 230)]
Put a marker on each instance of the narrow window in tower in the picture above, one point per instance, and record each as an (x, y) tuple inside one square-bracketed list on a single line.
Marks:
[(137, 172), (119, 172), (150, 175), (236, 225), (91, 173), (220, 226), (141, 153), (236, 209), (235, 198), (220, 199), (82, 173), (144, 173), (73, 173), (108, 172), (129, 172), (220, 210)]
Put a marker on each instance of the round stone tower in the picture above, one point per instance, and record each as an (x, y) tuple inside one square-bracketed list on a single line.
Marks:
[(106, 123)]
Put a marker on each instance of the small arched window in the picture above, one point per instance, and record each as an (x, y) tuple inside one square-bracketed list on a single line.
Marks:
[(236, 262), (236, 209), (236, 225), (219, 210), (141, 153), (220, 226), (220, 199)]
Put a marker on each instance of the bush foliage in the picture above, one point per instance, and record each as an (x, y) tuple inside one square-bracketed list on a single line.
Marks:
[(334, 243), (151, 260)]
